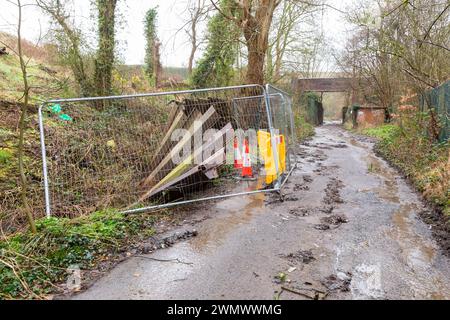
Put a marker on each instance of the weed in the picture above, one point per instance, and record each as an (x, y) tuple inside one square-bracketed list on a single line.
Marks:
[(5, 156), (304, 129), (384, 132), (31, 264)]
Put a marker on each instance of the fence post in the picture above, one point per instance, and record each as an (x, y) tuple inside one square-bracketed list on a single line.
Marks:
[(273, 138), (44, 161)]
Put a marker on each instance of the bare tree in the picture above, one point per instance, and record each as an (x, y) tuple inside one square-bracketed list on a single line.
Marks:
[(70, 39), (254, 18), (399, 47), (290, 44), (23, 117), (198, 12)]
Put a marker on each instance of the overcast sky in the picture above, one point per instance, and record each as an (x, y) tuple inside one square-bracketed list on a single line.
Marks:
[(171, 16)]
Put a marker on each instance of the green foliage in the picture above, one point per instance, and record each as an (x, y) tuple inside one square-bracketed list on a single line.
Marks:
[(30, 264), (216, 66), (409, 148), (384, 132), (5, 156), (150, 37), (304, 129)]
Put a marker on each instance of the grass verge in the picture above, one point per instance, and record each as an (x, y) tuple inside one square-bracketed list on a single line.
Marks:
[(31, 266)]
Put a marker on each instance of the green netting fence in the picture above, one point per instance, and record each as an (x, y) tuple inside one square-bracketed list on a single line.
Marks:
[(439, 100)]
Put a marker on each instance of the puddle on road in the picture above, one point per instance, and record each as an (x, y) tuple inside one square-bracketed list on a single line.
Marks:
[(237, 211), (389, 190), (356, 143), (366, 282), (418, 253)]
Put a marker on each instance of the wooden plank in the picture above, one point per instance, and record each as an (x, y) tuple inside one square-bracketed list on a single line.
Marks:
[(181, 168), (166, 167), (208, 165), (174, 111), (179, 146), (194, 116), (166, 138)]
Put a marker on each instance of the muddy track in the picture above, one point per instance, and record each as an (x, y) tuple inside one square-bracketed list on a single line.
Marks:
[(347, 227)]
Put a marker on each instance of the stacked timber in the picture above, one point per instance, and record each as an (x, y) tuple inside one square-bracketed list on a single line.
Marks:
[(194, 116)]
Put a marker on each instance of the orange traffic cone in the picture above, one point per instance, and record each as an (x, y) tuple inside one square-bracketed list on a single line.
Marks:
[(237, 155), (247, 171)]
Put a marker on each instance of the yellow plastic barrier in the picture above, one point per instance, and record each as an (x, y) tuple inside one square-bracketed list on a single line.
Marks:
[(282, 152), (265, 149)]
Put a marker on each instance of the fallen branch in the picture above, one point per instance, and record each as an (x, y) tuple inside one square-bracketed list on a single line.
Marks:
[(316, 292), (164, 260), (22, 282)]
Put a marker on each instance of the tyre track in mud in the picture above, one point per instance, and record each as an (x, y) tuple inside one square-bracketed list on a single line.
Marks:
[(347, 227)]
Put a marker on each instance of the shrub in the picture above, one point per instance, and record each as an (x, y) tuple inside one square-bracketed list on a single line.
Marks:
[(30, 264)]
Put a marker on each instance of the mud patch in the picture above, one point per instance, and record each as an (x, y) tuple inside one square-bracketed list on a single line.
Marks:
[(435, 218), (324, 146), (340, 146), (281, 198), (169, 241), (327, 209), (332, 192), (301, 187), (440, 226), (336, 219), (301, 256), (322, 227), (300, 212), (339, 283)]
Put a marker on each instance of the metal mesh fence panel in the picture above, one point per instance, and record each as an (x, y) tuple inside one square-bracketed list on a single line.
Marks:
[(283, 122), (140, 152)]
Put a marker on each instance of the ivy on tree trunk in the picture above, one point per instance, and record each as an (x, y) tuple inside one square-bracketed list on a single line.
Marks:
[(105, 55)]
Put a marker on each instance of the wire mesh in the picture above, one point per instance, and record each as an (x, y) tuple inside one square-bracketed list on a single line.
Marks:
[(283, 121), (145, 151), (439, 100)]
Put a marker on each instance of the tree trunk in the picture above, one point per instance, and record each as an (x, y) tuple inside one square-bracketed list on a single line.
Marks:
[(256, 28), (157, 63), (105, 54), (256, 58), (22, 126), (191, 61), (75, 58), (194, 47)]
